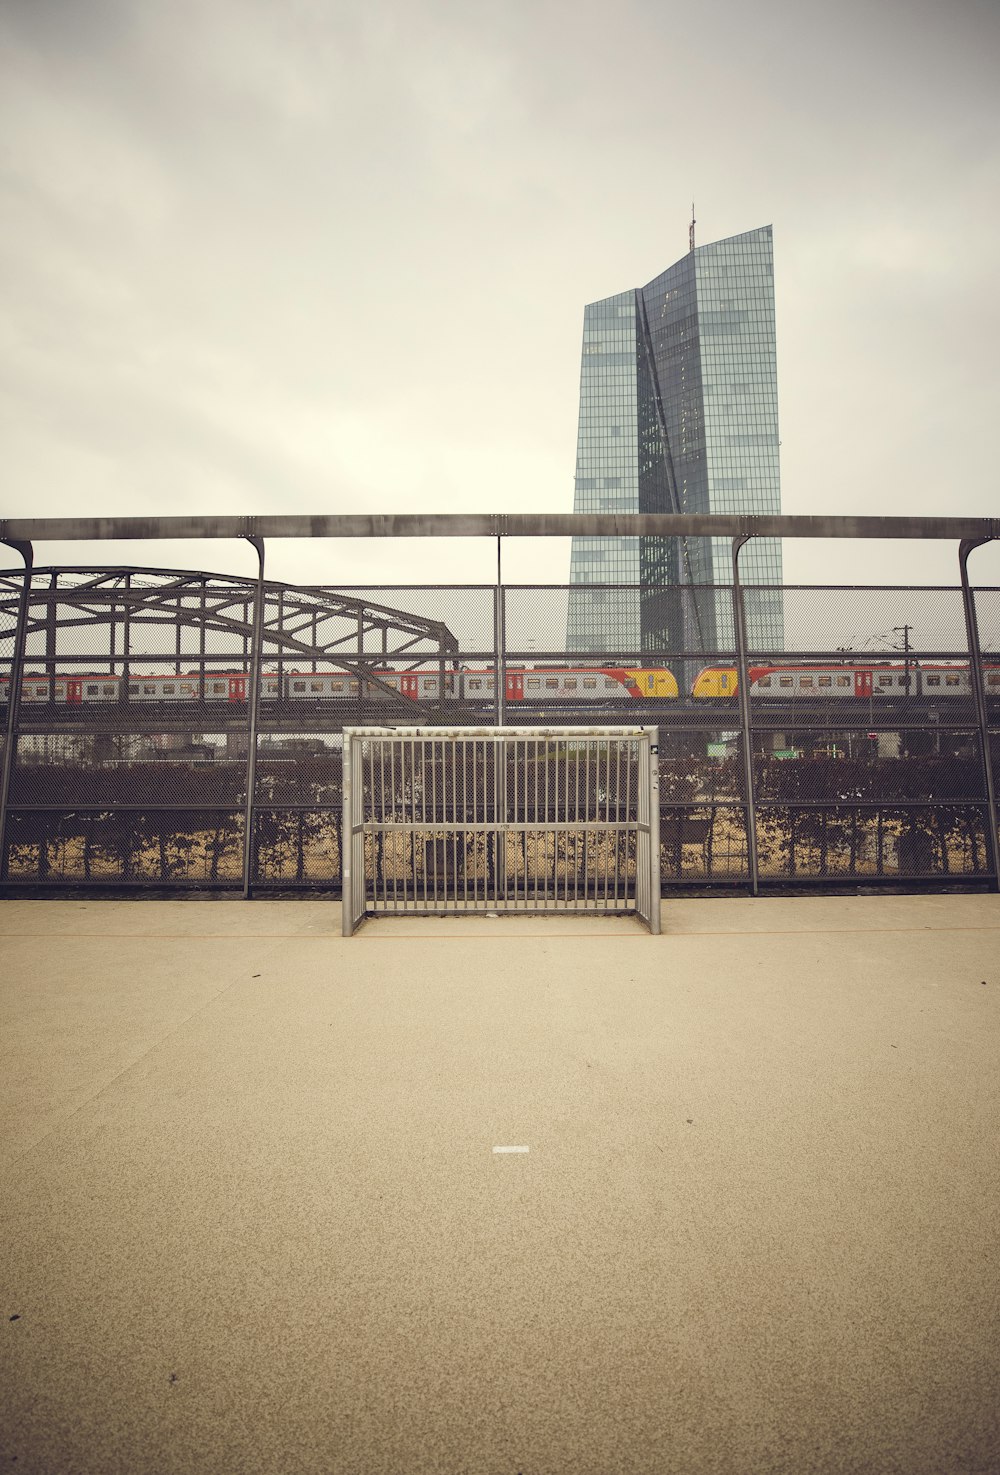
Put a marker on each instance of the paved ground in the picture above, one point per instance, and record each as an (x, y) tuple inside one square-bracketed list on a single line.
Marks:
[(252, 1218)]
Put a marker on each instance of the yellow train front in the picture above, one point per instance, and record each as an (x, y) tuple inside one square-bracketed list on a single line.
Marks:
[(715, 683)]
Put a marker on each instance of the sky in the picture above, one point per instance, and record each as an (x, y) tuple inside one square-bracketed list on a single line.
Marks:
[(332, 256)]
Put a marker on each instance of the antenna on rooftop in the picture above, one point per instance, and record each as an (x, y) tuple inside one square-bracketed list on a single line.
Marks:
[(691, 230)]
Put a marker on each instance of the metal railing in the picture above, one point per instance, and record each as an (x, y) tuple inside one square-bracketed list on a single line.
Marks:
[(130, 787)]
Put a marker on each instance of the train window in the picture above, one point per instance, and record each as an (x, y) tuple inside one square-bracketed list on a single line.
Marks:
[(552, 683), (168, 688), (449, 684), (885, 679), (724, 680), (764, 681), (826, 681), (430, 683), (993, 680), (315, 686), (951, 681), (354, 688), (336, 686), (785, 681), (186, 688), (92, 690), (133, 688), (933, 680), (489, 683), (609, 685), (107, 689), (806, 680), (571, 683), (843, 681), (149, 690), (219, 688), (298, 686), (533, 683), (588, 682), (476, 685)]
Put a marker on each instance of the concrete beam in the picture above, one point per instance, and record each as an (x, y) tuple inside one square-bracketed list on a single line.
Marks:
[(492, 525)]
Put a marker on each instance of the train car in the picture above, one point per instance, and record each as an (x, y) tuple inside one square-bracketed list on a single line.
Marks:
[(161, 688), (320, 686), (34, 688), (819, 683), (837, 682), (587, 684)]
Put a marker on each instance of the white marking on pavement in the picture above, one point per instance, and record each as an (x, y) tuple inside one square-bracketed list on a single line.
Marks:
[(512, 1149)]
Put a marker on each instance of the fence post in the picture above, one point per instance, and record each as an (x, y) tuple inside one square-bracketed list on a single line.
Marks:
[(740, 629), (979, 696), (253, 717), (500, 665), (14, 692)]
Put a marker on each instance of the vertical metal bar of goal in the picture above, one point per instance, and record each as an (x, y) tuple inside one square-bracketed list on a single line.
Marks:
[(979, 696), (14, 693), (347, 881), (742, 673), (654, 830)]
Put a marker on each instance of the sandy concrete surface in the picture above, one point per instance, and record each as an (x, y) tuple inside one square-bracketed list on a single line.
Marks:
[(251, 1218)]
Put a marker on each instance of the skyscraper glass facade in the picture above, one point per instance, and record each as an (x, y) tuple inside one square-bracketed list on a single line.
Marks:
[(679, 413)]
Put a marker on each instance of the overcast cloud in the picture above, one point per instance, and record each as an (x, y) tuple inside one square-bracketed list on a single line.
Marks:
[(325, 256)]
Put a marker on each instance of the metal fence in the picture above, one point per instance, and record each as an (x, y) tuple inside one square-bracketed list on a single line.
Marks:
[(170, 730), (500, 820)]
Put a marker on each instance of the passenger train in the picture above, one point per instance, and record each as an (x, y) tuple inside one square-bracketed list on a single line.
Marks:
[(545, 684), (530, 685)]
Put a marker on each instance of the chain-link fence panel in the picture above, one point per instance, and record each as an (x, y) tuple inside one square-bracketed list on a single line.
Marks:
[(869, 621), (987, 606), (156, 848), (876, 842), (703, 843)]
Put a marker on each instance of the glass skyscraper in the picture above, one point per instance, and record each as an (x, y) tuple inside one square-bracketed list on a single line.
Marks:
[(679, 413)]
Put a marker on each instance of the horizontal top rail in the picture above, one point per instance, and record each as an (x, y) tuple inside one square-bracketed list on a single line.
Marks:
[(436, 734), (494, 525)]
